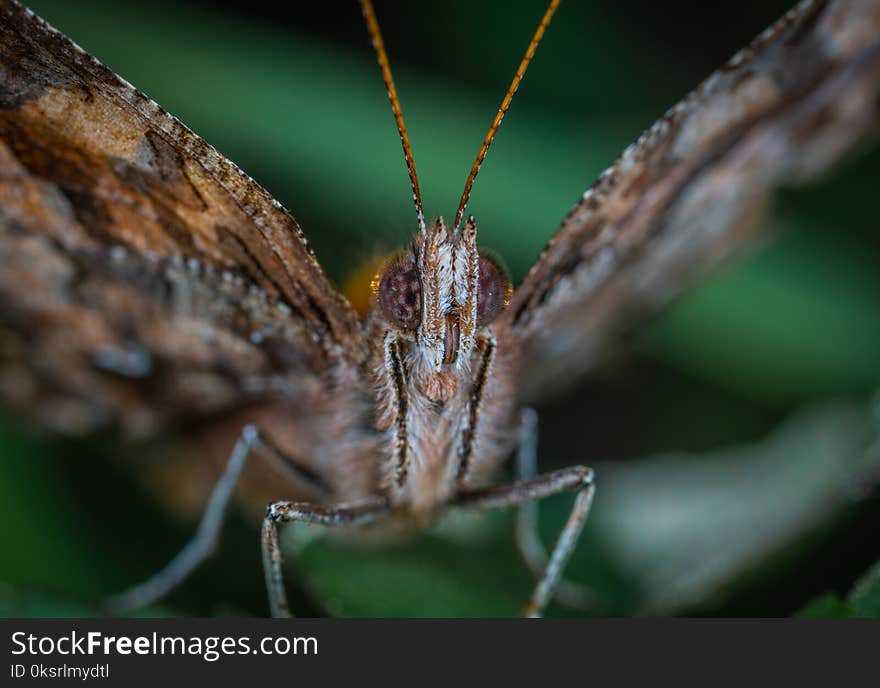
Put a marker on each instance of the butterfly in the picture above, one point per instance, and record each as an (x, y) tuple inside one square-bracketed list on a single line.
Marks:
[(147, 280)]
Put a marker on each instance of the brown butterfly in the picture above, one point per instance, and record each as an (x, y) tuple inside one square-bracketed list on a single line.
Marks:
[(147, 279)]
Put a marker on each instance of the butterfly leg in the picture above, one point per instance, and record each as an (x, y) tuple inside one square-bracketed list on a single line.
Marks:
[(280, 513), (527, 539), (204, 542), (577, 478)]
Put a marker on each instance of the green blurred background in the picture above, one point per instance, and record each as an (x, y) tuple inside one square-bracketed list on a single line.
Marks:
[(735, 436)]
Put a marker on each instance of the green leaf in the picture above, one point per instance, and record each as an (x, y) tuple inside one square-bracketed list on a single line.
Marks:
[(827, 606), (863, 601)]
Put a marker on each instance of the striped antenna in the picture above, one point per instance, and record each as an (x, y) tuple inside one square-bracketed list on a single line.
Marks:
[(511, 90), (382, 56)]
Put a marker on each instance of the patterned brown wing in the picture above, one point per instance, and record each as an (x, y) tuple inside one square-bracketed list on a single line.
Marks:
[(144, 276), (693, 186)]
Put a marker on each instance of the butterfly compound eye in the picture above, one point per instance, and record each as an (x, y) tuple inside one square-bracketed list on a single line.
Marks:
[(494, 289), (400, 295)]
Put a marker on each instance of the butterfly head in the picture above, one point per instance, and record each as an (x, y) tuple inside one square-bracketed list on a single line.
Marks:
[(441, 293)]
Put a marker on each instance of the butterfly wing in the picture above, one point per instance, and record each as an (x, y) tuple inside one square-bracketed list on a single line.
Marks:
[(144, 276), (693, 186)]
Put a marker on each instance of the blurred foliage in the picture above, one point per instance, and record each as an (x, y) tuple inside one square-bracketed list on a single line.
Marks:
[(682, 522), (862, 601)]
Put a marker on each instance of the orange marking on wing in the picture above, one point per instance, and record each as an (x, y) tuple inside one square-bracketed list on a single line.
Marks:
[(358, 286)]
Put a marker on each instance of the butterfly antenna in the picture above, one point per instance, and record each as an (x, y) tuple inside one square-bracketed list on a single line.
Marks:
[(508, 97), (382, 56)]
